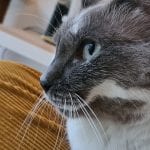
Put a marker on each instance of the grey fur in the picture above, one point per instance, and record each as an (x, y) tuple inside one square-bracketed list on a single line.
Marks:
[(118, 109), (122, 28), (87, 3)]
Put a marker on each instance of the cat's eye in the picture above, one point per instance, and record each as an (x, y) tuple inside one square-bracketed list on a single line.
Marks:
[(91, 49)]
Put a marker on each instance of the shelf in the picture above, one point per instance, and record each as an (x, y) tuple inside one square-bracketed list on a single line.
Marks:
[(29, 45)]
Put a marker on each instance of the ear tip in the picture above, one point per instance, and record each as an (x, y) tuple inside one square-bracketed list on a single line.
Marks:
[(121, 2), (132, 4)]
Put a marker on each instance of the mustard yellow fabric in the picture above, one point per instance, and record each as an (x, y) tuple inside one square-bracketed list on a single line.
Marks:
[(19, 91)]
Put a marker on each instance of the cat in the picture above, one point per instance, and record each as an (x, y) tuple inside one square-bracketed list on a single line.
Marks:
[(77, 5), (100, 76)]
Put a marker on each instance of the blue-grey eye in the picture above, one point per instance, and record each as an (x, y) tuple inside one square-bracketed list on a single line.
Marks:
[(91, 50)]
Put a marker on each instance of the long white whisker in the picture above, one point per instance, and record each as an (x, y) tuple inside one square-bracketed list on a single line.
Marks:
[(80, 118), (36, 134), (91, 122), (105, 136), (29, 116), (35, 16), (72, 107), (49, 117), (33, 111), (59, 130)]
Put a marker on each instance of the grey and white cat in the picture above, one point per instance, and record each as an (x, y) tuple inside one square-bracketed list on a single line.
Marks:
[(100, 76)]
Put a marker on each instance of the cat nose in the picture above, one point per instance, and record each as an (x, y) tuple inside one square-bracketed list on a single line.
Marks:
[(48, 78), (44, 83), (52, 74)]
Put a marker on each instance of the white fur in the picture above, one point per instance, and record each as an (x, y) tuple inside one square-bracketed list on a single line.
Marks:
[(131, 136), (75, 8), (75, 28), (120, 137), (81, 135), (78, 23), (111, 89)]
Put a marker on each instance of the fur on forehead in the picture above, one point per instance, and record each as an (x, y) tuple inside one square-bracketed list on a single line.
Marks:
[(100, 21)]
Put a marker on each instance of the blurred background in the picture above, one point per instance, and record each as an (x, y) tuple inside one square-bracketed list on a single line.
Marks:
[(27, 27)]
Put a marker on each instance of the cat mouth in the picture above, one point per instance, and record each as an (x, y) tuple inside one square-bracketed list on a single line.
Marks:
[(67, 103), (67, 108), (69, 111)]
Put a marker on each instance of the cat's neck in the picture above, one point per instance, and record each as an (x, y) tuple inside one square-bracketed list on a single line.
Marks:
[(108, 135)]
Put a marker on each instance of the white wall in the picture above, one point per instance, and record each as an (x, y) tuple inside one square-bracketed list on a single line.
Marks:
[(30, 13), (23, 14)]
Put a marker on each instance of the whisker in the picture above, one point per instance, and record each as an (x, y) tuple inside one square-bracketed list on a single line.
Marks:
[(105, 136), (70, 116), (59, 130), (26, 129), (73, 105), (49, 117), (62, 139), (40, 18), (30, 118), (34, 108), (32, 15), (40, 116), (91, 122)]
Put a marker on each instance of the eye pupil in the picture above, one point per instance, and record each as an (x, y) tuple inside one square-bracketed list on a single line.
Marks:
[(90, 48)]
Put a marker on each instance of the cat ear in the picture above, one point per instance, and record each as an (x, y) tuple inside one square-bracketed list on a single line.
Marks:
[(144, 4), (87, 3), (130, 3), (145, 78)]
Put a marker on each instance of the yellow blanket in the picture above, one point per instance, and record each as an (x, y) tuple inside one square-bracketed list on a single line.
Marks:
[(19, 92)]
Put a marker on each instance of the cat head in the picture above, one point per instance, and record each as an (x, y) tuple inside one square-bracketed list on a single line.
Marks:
[(102, 60)]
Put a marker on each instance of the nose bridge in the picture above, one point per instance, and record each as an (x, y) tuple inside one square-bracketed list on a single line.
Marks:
[(54, 70), (62, 57), (57, 66)]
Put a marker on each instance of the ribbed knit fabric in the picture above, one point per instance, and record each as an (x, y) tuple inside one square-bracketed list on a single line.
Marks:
[(19, 92)]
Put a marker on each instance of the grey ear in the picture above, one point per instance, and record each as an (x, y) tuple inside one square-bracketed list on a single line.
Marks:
[(87, 3), (144, 4), (130, 3)]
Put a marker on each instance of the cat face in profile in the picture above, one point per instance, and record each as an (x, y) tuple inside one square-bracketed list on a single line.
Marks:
[(102, 60)]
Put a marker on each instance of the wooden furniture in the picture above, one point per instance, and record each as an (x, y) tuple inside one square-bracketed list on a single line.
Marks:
[(3, 8), (29, 45)]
